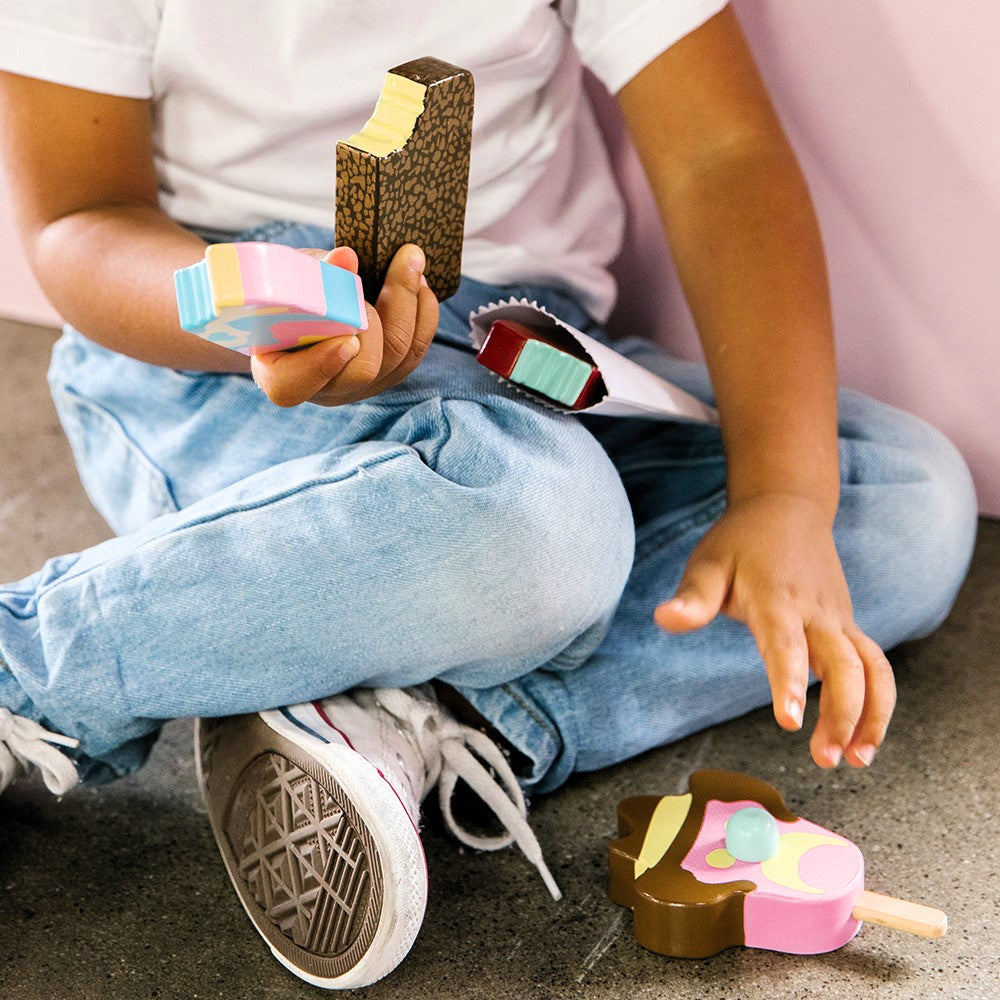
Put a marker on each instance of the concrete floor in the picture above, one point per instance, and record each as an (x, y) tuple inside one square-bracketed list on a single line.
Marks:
[(118, 893)]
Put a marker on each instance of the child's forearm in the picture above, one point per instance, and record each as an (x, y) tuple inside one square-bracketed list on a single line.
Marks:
[(748, 249), (751, 262), (108, 270), (747, 246), (85, 195)]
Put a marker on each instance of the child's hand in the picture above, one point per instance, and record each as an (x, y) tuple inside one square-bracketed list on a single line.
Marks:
[(401, 326), (770, 562)]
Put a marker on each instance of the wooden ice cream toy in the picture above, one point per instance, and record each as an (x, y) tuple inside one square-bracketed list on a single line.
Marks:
[(727, 864), (403, 178), (259, 297)]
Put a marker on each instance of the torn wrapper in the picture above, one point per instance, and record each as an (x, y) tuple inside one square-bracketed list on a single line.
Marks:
[(628, 389)]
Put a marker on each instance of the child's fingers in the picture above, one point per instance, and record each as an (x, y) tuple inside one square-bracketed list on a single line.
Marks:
[(291, 377), (699, 596), (880, 700), (402, 324), (397, 305), (343, 257), (781, 640), (424, 327), (836, 662)]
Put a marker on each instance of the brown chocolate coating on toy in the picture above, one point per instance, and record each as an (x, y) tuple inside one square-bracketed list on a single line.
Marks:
[(416, 194), (675, 914)]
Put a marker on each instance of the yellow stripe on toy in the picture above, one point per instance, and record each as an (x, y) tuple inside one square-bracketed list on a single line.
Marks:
[(394, 119), (224, 278)]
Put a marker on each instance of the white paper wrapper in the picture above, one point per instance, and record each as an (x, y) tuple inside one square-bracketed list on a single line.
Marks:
[(632, 391)]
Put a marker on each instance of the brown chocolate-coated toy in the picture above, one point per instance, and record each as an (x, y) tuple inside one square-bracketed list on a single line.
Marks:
[(404, 177), (727, 863)]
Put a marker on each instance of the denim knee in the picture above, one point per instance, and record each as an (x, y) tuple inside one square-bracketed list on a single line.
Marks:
[(908, 499), (561, 547), (573, 551), (950, 510)]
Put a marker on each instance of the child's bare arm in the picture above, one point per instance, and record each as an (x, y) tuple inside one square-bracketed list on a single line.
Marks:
[(748, 249), (81, 171), (80, 165)]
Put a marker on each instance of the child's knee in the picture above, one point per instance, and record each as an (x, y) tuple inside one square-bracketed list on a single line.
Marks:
[(948, 520), (554, 532), (908, 493), (569, 543)]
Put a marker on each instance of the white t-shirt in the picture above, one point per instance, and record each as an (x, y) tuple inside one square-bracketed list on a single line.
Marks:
[(250, 100)]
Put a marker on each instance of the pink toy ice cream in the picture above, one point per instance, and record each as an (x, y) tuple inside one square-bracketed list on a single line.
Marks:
[(727, 864), (261, 297)]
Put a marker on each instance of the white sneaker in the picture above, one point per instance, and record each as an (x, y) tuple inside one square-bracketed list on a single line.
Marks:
[(24, 745), (315, 808)]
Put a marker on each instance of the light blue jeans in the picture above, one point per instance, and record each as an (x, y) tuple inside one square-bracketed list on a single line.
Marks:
[(444, 529)]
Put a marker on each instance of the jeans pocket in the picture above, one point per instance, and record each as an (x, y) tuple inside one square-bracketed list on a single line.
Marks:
[(125, 486)]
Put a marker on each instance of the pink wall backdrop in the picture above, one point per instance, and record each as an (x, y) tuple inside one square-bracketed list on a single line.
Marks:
[(891, 106), (20, 296)]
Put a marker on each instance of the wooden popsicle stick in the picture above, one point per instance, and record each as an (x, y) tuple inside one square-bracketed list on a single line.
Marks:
[(914, 918)]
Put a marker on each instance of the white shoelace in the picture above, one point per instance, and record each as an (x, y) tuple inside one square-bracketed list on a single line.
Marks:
[(24, 743), (451, 751)]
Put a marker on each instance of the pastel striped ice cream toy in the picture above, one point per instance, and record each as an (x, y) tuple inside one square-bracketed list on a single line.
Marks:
[(727, 864), (260, 297)]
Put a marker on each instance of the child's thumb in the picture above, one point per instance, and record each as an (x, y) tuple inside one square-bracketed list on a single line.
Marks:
[(699, 598)]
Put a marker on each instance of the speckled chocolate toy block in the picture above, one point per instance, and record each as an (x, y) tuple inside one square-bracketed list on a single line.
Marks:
[(404, 177)]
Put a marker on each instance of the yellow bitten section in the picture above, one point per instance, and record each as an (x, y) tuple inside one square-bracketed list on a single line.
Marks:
[(399, 106), (224, 280)]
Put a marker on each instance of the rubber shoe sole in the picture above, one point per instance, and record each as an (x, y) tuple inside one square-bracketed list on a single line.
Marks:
[(321, 851)]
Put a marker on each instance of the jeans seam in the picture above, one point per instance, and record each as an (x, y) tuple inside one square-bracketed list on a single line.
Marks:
[(242, 509), (562, 742), (155, 474), (109, 633), (654, 541), (432, 462), (529, 710)]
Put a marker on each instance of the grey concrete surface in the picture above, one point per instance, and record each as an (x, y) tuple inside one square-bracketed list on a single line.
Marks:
[(117, 892)]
